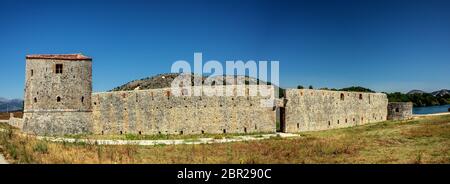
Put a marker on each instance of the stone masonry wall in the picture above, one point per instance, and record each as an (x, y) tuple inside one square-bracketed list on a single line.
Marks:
[(159, 111), (57, 99), (43, 86), (57, 123), (15, 122), (399, 110), (310, 110)]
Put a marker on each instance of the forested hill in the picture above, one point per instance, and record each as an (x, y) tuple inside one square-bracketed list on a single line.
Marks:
[(420, 99)]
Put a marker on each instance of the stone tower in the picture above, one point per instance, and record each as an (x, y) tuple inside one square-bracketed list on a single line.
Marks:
[(58, 94), (399, 110)]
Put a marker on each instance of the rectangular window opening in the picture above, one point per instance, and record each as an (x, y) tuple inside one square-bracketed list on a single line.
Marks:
[(58, 68)]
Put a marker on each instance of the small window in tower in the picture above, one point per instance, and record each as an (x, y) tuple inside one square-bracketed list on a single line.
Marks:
[(82, 99), (342, 96), (58, 99), (168, 95), (58, 68), (32, 73), (360, 96), (35, 100)]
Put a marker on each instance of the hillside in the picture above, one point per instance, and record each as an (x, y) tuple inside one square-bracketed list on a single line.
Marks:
[(415, 91), (10, 105), (442, 92), (419, 99), (165, 81)]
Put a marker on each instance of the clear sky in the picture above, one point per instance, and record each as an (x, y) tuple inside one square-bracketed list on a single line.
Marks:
[(383, 45)]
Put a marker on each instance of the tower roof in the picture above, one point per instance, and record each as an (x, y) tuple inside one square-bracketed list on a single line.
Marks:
[(59, 56)]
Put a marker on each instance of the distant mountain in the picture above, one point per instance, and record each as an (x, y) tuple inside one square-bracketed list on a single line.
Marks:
[(3, 100), (439, 93), (442, 92), (421, 98), (416, 92), (10, 105)]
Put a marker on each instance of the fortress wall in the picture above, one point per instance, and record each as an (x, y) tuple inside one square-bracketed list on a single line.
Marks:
[(310, 110), (57, 123), (159, 111), (15, 122)]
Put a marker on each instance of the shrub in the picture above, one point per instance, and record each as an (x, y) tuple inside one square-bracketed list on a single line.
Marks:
[(41, 147)]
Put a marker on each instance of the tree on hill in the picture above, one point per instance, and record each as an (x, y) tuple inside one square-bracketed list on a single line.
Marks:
[(300, 87), (419, 99), (357, 89), (310, 87)]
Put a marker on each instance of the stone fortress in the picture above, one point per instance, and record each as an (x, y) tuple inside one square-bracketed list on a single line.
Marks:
[(59, 101)]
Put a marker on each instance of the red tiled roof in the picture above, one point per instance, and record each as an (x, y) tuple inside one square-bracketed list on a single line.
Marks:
[(59, 56)]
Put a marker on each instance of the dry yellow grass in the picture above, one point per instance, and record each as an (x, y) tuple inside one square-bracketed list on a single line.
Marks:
[(424, 140)]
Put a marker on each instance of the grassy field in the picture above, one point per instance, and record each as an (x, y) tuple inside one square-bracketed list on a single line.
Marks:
[(423, 140)]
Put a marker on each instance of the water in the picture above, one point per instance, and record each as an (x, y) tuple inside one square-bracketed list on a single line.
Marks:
[(431, 109)]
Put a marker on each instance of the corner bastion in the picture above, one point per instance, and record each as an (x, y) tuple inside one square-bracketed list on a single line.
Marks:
[(400, 110)]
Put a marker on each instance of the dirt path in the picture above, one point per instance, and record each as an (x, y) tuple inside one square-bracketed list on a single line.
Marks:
[(165, 142), (436, 114), (169, 142)]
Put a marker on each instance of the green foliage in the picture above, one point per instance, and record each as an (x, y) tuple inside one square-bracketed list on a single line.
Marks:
[(419, 100), (357, 89), (300, 87), (311, 87), (41, 147)]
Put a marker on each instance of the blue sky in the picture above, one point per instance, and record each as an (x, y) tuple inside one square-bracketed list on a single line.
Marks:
[(384, 45)]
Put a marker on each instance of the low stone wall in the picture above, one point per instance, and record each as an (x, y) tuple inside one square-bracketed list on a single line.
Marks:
[(400, 110), (160, 111), (310, 110), (16, 122)]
